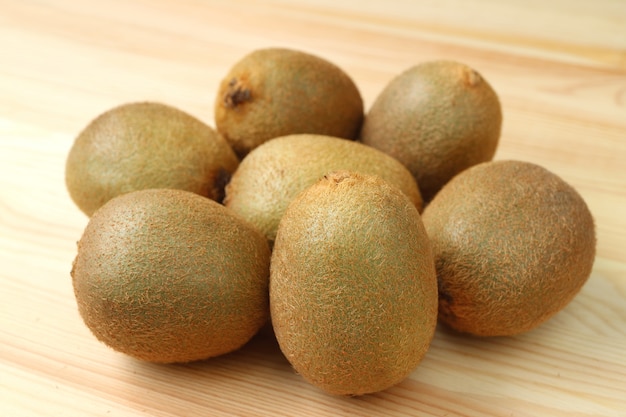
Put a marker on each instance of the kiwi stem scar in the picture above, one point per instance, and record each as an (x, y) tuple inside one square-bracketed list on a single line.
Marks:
[(236, 94)]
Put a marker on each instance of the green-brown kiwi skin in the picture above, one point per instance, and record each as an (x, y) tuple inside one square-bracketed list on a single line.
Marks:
[(438, 118), (168, 276), (353, 291), (513, 245), (141, 145), (273, 92), (274, 173)]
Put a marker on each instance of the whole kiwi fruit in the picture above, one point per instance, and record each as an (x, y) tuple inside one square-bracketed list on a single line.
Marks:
[(143, 145), (513, 244), (270, 176), (437, 118), (275, 92), (353, 291), (167, 275)]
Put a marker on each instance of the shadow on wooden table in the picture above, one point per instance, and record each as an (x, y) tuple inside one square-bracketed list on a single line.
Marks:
[(255, 380), (460, 375)]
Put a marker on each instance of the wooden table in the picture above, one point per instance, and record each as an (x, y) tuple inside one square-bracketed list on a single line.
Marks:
[(558, 66)]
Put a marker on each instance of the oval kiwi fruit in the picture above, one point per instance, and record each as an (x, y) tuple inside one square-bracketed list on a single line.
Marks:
[(437, 118), (270, 176), (353, 291), (275, 92), (513, 245), (144, 145), (170, 276)]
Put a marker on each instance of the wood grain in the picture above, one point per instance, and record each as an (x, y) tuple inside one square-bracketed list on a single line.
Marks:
[(559, 68)]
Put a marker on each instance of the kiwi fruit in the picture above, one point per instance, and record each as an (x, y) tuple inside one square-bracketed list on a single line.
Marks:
[(513, 244), (271, 176), (353, 290), (166, 275), (275, 92), (437, 118), (143, 145)]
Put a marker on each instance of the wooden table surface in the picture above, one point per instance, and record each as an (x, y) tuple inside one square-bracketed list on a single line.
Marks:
[(558, 66)]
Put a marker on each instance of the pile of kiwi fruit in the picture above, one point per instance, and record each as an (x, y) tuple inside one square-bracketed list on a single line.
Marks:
[(351, 233)]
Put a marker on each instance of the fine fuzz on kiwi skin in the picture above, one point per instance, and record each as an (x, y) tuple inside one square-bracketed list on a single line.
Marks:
[(437, 118), (275, 172), (513, 245), (353, 291), (275, 92), (170, 276), (144, 145)]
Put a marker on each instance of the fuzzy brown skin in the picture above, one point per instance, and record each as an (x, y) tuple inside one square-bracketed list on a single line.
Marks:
[(170, 276), (276, 92), (437, 118), (271, 176), (353, 291), (144, 145), (513, 245)]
